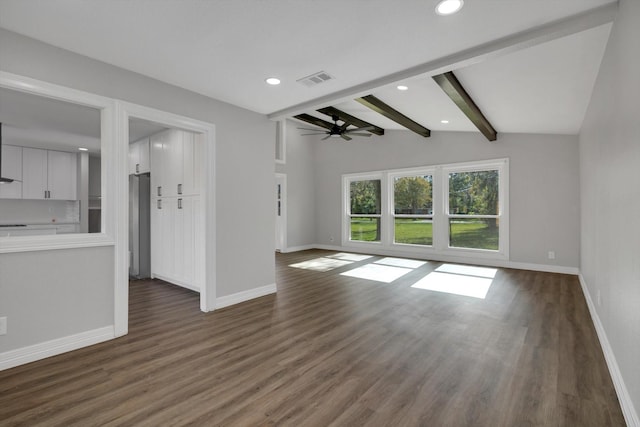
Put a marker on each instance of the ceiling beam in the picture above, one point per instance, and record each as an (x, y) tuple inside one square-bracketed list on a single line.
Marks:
[(453, 88), (541, 34), (348, 118), (314, 121), (389, 112)]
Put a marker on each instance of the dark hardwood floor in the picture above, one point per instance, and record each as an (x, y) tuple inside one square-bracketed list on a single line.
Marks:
[(329, 349)]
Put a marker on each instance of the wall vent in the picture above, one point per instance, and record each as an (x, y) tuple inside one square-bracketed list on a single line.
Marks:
[(316, 78)]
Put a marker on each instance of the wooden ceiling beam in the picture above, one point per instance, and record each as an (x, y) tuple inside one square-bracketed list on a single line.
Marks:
[(314, 121), (389, 112), (348, 118), (454, 89)]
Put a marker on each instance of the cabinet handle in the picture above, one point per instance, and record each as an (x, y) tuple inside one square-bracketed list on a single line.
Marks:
[(179, 188), (159, 190), (137, 167), (47, 194), (159, 203), (179, 203)]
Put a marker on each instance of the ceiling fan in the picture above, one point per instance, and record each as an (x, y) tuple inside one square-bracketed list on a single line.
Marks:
[(339, 131)]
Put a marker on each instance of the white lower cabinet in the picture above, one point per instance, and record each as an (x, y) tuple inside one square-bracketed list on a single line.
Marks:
[(176, 240)]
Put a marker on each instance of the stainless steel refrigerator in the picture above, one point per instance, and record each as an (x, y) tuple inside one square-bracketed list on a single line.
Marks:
[(139, 226)]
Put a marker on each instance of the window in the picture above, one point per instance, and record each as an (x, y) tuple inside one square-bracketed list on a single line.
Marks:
[(413, 210), (456, 209), (365, 210), (473, 214)]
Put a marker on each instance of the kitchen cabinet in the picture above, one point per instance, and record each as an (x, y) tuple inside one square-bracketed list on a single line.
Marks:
[(175, 163), (11, 168), (48, 174), (139, 157), (176, 239)]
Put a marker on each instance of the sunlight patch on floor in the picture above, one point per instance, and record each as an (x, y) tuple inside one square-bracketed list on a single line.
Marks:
[(350, 257), (401, 262), (468, 270), (458, 284), (378, 273), (321, 264)]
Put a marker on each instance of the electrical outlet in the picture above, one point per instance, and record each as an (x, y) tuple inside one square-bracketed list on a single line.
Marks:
[(3, 326), (331, 238), (552, 255)]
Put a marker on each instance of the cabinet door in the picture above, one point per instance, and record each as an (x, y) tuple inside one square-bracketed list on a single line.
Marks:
[(62, 175), (158, 164), (133, 158), (143, 156), (11, 168), (191, 160), (173, 155), (34, 173), (185, 242)]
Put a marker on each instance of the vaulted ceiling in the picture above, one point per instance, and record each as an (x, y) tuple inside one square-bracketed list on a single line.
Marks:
[(528, 66)]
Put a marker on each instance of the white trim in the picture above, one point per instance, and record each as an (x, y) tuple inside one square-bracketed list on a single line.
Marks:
[(440, 217), (298, 248), (626, 404), (243, 296), (109, 203), (54, 347), (207, 289), (176, 282), (493, 49), (62, 241)]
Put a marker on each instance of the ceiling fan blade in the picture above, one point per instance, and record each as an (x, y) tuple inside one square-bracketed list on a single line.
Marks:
[(318, 129), (360, 129), (326, 137), (345, 137), (359, 134)]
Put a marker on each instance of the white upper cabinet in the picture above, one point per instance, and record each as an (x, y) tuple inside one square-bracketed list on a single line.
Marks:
[(62, 175), (175, 163), (139, 157), (11, 168), (49, 174)]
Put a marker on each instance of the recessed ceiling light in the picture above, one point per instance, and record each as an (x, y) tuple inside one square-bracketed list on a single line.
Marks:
[(272, 81), (444, 121), (83, 149), (403, 87), (449, 7)]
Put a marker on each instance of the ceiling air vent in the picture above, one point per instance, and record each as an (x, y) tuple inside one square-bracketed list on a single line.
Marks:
[(316, 78)]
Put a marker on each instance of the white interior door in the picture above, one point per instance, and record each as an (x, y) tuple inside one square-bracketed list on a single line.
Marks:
[(281, 209)]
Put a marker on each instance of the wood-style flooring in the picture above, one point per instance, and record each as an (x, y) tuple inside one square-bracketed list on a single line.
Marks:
[(332, 350)]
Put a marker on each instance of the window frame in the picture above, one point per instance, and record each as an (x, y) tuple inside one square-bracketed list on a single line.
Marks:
[(392, 208), (440, 208), (502, 166), (346, 224)]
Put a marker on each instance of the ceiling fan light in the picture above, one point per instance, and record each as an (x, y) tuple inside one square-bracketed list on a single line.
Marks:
[(449, 7)]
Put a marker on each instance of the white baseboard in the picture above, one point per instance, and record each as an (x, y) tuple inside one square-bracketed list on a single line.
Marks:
[(460, 260), (54, 347), (176, 282), (297, 248), (243, 296), (628, 410)]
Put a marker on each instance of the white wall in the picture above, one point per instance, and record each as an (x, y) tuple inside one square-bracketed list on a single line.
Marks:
[(244, 197), (299, 168), (610, 198), (544, 188)]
